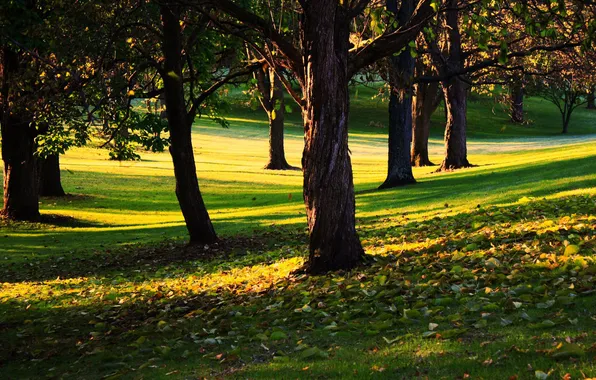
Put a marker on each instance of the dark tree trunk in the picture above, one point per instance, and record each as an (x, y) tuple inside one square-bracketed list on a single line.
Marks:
[(517, 101), (328, 183), (425, 102), (591, 105), (456, 152), (276, 114), (401, 73), (50, 184), (456, 96), (21, 191), (189, 196)]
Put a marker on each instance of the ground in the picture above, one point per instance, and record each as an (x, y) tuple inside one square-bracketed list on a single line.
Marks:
[(486, 272)]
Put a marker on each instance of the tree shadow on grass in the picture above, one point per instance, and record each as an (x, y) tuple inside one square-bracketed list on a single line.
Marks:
[(131, 259), (231, 324)]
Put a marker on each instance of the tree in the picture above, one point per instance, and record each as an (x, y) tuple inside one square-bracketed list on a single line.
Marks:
[(591, 103), (516, 99), (271, 98), (50, 184), (167, 49), (43, 71), (476, 37), (567, 83), (426, 99), (401, 75), (323, 64)]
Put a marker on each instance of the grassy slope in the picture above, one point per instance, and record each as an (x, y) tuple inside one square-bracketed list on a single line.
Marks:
[(116, 205)]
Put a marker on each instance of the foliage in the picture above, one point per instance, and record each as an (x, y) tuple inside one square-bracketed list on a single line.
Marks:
[(498, 287), (83, 264)]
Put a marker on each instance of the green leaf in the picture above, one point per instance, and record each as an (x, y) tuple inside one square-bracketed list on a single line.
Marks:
[(314, 353), (278, 335), (568, 350)]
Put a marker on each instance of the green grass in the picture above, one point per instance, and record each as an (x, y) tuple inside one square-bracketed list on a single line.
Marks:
[(104, 287)]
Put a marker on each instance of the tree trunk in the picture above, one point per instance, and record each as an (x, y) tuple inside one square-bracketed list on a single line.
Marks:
[(50, 184), (328, 183), (21, 189), (456, 152), (591, 99), (189, 196), (456, 96), (425, 102), (517, 101), (401, 72), (21, 192), (276, 114)]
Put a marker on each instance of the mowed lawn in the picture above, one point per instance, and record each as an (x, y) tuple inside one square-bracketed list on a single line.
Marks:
[(486, 272)]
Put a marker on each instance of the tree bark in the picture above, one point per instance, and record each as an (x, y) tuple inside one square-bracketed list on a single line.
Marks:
[(328, 183), (21, 191), (425, 101), (401, 73), (276, 114), (591, 105), (456, 96), (517, 101), (50, 184), (188, 193), (456, 152)]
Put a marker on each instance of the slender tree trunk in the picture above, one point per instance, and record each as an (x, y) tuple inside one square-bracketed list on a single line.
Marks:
[(456, 152), (50, 184), (401, 72), (21, 191), (276, 115), (425, 102), (328, 183), (456, 97), (591, 105), (517, 101), (189, 196)]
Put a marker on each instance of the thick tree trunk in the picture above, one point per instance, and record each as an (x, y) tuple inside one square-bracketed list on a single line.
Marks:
[(425, 102), (328, 183), (276, 114), (189, 196), (456, 152), (401, 73), (591, 105), (517, 101), (21, 191), (50, 184)]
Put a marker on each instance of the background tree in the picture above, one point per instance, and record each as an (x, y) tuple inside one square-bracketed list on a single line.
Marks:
[(591, 98), (401, 76), (426, 98), (41, 70), (568, 81), (271, 98), (481, 36)]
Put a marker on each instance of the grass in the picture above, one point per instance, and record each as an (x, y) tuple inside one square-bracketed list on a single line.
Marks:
[(499, 257)]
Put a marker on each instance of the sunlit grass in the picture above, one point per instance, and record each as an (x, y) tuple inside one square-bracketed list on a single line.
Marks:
[(111, 290)]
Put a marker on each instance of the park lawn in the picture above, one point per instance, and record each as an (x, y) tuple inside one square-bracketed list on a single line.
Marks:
[(486, 272)]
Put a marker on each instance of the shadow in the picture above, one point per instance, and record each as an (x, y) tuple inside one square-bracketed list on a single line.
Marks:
[(505, 186), (205, 317), (126, 259)]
